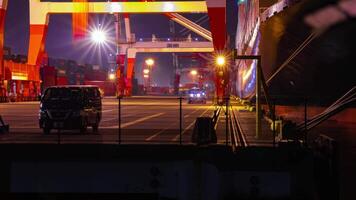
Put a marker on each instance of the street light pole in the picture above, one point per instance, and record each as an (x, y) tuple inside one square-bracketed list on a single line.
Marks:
[(119, 60), (221, 79), (149, 78), (149, 62)]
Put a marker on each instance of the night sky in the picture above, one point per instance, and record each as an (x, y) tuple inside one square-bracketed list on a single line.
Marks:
[(59, 39)]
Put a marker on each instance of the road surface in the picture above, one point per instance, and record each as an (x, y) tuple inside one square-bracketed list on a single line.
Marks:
[(143, 119)]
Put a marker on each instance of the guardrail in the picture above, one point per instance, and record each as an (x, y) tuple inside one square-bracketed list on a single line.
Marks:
[(140, 120), (6, 99), (195, 39)]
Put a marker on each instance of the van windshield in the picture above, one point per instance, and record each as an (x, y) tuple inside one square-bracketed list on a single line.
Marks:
[(62, 97)]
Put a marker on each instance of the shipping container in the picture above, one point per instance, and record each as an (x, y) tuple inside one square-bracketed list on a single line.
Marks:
[(107, 88), (62, 80), (48, 77)]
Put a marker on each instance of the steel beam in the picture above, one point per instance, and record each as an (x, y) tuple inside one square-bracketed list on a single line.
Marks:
[(39, 15)]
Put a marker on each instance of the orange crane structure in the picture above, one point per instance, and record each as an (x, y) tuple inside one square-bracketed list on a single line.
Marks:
[(40, 13)]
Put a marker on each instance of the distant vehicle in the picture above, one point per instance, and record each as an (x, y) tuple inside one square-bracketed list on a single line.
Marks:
[(196, 95), (70, 107)]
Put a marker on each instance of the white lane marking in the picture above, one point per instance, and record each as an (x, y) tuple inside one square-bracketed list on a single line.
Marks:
[(116, 117), (110, 119), (190, 125), (34, 125), (137, 121), (156, 134), (105, 111), (185, 116), (161, 131), (138, 103)]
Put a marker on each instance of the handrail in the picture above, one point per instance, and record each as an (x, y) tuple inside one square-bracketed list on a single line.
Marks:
[(339, 105), (237, 135), (215, 117), (233, 135), (171, 39)]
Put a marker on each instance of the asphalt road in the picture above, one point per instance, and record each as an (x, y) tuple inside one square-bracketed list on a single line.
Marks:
[(143, 119)]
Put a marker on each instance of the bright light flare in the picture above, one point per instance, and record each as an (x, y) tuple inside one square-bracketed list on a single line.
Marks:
[(168, 7), (194, 72), (145, 76), (150, 62), (98, 36), (220, 60), (146, 71), (112, 76)]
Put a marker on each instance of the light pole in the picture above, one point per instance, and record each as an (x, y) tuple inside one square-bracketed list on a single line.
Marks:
[(222, 78), (149, 63), (146, 74)]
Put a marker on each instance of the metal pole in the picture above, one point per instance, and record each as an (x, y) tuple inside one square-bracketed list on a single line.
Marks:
[(118, 64), (305, 121), (150, 78), (258, 96), (119, 139), (180, 120), (227, 122), (274, 123), (265, 90), (258, 90)]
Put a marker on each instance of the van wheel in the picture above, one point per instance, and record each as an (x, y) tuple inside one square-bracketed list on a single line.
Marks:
[(46, 131), (83, 129), (95, 128), (96, 125), (83, 126)]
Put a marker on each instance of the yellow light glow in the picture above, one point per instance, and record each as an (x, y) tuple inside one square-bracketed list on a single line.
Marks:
[(150, 62), (112, 76), (19, 76), (146, 71), (115, 7), (39, 10), (194, 72), (145, 76), (220, 60), (168, 7)]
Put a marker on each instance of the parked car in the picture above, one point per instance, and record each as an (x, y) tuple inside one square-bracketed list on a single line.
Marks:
[(70, 107)]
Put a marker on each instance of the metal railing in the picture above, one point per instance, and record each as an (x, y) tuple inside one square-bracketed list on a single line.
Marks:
[(237, 135), (339, 105), (215, 116), (187, 39), (124, 122)]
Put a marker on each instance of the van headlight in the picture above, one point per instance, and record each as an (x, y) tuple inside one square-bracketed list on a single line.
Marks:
[(191, 95), (198, 95)]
